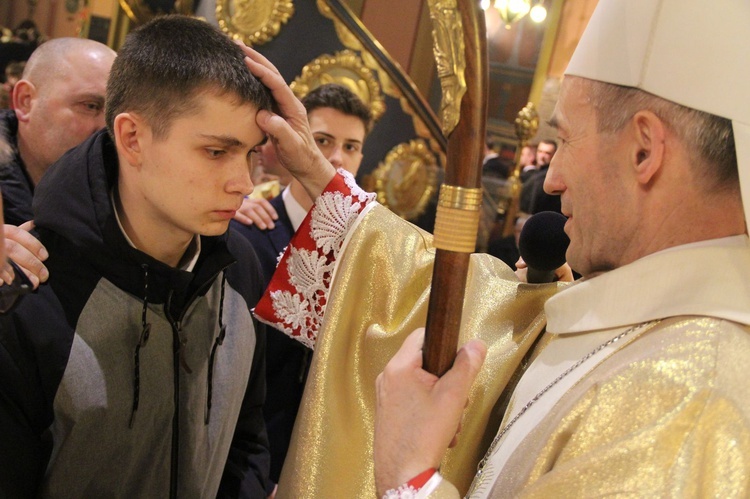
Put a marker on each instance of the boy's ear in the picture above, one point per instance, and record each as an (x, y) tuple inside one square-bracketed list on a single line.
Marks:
[(129, 131), (23, 98), (649, 133)]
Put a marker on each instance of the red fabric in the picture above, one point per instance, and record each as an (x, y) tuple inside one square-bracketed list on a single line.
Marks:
[(418, 481), (280, 282)]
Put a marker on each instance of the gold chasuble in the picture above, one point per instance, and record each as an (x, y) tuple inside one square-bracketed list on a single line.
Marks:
[(626, 395), (379, 283)]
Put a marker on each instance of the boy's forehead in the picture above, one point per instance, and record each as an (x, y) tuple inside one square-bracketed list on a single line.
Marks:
[(219, 115)]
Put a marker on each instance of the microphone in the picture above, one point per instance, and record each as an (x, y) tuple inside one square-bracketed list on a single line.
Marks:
[(542, 244)]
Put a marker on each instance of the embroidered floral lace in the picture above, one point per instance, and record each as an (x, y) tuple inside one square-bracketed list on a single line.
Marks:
[(296, 298)]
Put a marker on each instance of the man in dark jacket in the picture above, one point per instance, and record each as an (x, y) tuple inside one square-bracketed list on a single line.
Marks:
[(137, 370), (58, 103), (533, 197)]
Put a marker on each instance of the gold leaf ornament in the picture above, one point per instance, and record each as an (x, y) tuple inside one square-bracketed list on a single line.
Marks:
[(448, 46), (345, 68), (254, 22), (406, 180)]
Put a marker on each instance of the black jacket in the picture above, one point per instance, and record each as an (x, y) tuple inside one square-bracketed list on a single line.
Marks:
[(124, 377), (15, 183)]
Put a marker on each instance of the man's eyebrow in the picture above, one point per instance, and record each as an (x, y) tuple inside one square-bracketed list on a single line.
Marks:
[(89, 96), (553, 122), (224, 140)]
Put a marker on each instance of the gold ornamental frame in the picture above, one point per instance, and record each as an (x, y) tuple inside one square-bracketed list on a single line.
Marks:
[(407, 179), (345, 68), (254, 22), (140, 13)]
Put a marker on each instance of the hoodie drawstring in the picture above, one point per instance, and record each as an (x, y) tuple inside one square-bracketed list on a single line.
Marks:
[(219, 340), (145, 332)]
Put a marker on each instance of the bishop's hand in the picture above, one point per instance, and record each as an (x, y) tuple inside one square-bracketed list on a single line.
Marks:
[(417, 414), (288, 128)]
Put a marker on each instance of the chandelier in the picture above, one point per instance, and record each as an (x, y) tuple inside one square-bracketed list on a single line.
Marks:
[(512, 10)]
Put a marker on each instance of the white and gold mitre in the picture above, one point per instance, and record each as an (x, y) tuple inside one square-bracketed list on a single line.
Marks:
[(690, 52)]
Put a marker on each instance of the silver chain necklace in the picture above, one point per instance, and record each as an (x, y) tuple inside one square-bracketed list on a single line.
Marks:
[(480, 467)]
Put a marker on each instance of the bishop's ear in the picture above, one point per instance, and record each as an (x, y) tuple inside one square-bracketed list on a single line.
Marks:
[(649, 133), (129, 131)]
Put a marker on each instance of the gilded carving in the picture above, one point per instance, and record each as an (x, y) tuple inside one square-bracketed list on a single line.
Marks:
[(527, 123), (345, 68), (349, 40), (346, 37), (407, 179), (140, 12), (253, 21), (387, 194), (448, 46)]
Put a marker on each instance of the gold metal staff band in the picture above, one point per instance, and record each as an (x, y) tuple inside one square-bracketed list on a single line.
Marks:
[(457, 220), (462, 198)]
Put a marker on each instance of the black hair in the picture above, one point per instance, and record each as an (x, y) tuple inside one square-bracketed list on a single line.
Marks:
[(167, 62), (341, 99)]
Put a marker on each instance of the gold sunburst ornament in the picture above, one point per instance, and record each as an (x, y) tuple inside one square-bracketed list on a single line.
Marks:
[(253, 21), (407, 178), (345, 68)]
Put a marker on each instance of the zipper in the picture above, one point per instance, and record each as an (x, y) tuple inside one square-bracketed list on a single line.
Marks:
[(177, 360), (176, 342)]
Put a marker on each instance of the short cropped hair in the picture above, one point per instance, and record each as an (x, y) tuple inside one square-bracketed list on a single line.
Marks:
[(166, 63), (341, 99), (709, 138)]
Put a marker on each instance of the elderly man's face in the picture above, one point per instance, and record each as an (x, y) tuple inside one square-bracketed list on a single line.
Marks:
[(67, 109), (589, 171)]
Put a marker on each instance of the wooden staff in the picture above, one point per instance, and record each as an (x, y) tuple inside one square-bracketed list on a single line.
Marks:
[(461, 53)]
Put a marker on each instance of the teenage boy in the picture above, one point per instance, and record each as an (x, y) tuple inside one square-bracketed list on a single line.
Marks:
[(138, 369)]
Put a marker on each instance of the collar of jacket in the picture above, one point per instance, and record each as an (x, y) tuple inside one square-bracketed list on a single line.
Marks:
[(73, 209)]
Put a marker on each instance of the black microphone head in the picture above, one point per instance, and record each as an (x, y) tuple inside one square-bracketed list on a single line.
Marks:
[(543, 241)]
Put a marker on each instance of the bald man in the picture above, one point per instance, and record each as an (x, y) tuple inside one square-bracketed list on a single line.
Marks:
[(58, 103)]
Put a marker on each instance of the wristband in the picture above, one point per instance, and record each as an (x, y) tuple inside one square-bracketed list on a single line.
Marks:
[(410, 488)]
